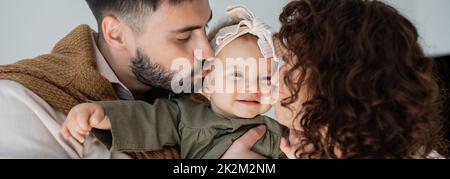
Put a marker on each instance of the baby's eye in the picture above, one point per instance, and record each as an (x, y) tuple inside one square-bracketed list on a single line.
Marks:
[(268, 78), (237, 75)]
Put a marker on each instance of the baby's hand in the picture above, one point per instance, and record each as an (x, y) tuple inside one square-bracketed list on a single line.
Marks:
[(81, 119)]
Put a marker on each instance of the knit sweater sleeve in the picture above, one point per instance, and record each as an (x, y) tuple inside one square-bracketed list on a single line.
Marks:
[(138, 126)]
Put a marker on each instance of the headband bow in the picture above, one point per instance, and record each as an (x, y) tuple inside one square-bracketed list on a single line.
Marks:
[(248, 24)]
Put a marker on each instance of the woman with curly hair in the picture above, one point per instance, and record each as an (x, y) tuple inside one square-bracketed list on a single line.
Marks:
[(356, 83)]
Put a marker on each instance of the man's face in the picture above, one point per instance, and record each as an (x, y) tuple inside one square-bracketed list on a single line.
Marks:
[(171, 32)]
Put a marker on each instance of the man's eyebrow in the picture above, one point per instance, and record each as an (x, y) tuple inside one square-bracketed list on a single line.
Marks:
[(187, 29), (194, 27)]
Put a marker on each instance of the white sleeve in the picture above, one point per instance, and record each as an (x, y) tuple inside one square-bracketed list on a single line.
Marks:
[(30, 128)]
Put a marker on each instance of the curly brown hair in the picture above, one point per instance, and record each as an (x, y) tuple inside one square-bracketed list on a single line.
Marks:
[(372, 87)]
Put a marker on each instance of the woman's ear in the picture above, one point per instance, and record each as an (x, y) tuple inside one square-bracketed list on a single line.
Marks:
[(113, 32)]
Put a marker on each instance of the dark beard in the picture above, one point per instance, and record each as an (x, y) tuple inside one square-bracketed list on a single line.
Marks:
[(150, 73)]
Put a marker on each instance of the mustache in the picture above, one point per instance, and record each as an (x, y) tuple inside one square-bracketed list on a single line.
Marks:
[(197, 75), (150, 73)]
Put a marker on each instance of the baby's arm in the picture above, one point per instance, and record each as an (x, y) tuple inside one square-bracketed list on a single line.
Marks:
[(139, 126), (82, 118)]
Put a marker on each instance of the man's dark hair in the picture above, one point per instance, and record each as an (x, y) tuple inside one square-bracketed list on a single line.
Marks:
[(131, 11)]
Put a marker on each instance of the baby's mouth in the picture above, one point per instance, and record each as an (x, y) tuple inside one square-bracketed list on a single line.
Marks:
[(249, 102)]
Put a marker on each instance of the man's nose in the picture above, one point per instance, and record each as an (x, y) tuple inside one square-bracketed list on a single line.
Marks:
[(204, 50)]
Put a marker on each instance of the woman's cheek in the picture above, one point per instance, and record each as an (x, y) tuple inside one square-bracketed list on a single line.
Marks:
[(283, 115)]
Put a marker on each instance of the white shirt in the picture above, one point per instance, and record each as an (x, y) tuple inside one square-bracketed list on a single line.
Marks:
[(30, 127)]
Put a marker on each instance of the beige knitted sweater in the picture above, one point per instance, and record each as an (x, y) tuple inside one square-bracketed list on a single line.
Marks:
[(68, 76)]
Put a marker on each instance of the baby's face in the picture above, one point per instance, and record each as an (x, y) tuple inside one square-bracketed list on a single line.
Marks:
[(248, 74)]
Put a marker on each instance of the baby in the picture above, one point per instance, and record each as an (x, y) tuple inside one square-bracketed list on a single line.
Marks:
[(199, 129)]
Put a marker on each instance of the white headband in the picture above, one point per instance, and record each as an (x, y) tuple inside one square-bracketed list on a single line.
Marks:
[(248, 24)]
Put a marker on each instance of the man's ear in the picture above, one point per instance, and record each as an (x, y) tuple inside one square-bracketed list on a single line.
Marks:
[(113, 32)]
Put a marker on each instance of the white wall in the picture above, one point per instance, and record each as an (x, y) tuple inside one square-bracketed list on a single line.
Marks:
[(432, 18), (434, 22), (30, 28), (267, 10)]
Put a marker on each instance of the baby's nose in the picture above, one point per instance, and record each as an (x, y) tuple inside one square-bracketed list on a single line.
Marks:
[(254, 96)]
